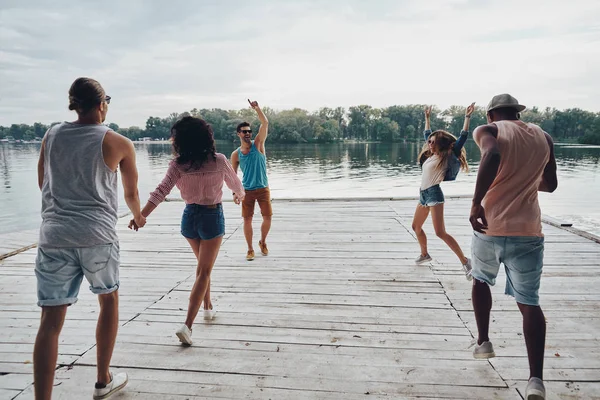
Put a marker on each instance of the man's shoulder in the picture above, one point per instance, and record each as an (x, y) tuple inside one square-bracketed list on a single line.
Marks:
[(116, 146), (482, 130), (113, 138)]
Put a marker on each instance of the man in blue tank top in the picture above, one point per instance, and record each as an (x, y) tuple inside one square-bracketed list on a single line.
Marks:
[(251, 158)]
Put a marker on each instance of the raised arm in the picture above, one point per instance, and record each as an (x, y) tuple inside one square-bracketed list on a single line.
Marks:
[(259, 140), (427, 130), (549, 181), (486, 138), (464, 134)]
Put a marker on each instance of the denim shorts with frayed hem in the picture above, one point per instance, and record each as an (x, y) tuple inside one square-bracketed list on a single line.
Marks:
[(523, 259), (203, 222), (432, 196), (60, 272)]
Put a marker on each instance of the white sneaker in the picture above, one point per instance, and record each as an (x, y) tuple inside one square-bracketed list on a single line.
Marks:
[(535, 390), (484, 350), (209, 314), (117, 382), (467, 268), (422, 259), (185, 335)]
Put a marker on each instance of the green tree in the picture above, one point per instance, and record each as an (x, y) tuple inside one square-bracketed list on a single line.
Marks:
[(360, 123), (386, 130)]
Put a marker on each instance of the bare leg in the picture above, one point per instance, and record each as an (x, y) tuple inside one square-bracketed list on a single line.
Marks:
[(437, 217), (195, 245), (106, 333), (419, 219), (265, 228), (45, 351), (248, 231), (482, 305), (207, 302), (209, 250), (534, 329)]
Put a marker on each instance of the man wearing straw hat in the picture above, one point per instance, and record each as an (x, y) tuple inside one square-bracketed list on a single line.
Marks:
[(517, 161)]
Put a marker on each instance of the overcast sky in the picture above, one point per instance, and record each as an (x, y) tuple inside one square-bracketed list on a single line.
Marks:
[(158, 57)]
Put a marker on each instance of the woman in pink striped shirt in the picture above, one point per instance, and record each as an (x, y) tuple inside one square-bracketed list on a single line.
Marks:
[(198, 171)]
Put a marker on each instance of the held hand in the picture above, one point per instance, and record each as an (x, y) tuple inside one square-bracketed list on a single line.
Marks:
[(137, 222), (470, 110), (133, 225), (477, 215), (428, 111), (236, 199), (253, 104)]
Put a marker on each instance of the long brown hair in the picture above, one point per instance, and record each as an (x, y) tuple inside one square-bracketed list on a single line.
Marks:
[(444, 141)]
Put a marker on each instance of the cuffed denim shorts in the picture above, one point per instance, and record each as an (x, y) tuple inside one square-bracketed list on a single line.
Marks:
[(431, 196), (203, 222), (60, 272), (523, 259)]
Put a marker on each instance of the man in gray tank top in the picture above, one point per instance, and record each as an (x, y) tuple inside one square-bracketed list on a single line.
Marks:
[(78, 179)]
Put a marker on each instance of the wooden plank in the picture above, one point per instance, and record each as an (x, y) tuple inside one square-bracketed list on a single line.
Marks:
[(338, 310)]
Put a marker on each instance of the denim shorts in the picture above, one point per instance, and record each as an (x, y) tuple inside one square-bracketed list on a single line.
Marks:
[(203, 222), (523, 259), (60, 272), (431, 196)]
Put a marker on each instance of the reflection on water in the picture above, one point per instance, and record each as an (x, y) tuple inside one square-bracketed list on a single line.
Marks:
[(321, 170)]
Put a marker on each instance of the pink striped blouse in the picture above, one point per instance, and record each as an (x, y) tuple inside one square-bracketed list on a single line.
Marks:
[(199, 186)]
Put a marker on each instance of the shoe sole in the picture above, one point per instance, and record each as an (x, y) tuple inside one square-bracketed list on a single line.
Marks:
[(183, 339), (249, 259), (115, 390), (483, 356)]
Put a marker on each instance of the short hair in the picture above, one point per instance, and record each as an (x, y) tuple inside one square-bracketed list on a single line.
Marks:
[(241, 125), (85, 94)]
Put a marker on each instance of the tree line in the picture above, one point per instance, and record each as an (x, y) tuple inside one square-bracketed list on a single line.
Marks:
[(363, 123)]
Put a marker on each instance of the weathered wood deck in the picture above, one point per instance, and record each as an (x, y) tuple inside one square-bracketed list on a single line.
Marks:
[(337, 311)]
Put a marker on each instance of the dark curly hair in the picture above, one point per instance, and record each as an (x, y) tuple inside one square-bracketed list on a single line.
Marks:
[(193, 142)]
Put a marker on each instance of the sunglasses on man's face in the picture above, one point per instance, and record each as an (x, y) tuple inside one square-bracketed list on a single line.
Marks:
[(244, 131), (107, 99)]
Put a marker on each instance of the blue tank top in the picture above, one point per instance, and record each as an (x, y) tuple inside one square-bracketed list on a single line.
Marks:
[(254, 168)]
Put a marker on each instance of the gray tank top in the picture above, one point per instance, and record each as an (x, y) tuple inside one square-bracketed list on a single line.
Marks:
[(79, 192)]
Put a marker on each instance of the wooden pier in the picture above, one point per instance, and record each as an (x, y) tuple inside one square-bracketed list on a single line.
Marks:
[(338, 310)]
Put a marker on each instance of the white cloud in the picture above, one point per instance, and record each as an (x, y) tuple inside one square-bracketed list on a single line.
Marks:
[(155, 59)]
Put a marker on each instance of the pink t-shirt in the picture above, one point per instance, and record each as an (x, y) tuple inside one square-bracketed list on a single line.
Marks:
[(511, 204), (202, 185)]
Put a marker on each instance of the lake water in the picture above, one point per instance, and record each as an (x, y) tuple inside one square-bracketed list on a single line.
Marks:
[(320, 170)]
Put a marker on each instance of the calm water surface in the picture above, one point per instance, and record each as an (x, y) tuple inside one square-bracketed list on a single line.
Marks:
[(320, 170)]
